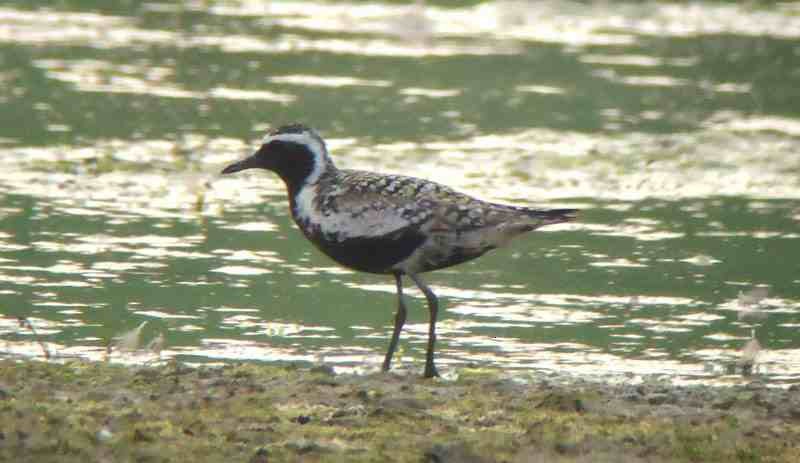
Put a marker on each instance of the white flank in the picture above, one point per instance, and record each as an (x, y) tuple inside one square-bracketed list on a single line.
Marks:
[(314, 144)]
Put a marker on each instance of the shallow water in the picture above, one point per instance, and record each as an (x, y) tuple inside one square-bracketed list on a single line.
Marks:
[(675, 128)]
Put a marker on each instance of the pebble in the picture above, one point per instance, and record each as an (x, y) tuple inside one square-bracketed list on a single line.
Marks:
[(303, 445), (353, 410), (302, 419), (658, 398), (323, 369), (261, 456), (402, 403), (567, 448), (450, 453), (104, 435), (724, 404)]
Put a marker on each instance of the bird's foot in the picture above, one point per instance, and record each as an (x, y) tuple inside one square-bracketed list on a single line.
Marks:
[(430, 371)]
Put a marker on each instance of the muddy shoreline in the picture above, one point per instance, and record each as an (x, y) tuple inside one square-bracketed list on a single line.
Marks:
[(89, 411)]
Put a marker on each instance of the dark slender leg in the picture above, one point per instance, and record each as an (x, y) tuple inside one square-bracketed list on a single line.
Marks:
[(399, 321), (433, 308)]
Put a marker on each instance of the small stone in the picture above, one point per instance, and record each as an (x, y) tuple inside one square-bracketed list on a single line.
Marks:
[(323, 369), (657, 398), (261, 456), (353, 410), (755, 386), (450, 453), (724, 404), (302, 419), (104, 435), (366, 395), (762, 400), (402, 403), (486, 421), (567, 448), (140, 436), (563, 402), (303, 446)]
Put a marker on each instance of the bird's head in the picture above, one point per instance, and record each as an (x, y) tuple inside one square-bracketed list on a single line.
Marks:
[(295, 152)]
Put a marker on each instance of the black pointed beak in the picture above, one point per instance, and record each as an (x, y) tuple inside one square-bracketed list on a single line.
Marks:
[(246, 163)]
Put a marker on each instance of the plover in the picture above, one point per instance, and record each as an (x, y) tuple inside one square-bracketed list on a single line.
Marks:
[(387, 224)]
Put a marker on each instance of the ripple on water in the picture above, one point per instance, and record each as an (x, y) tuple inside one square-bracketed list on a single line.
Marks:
[(658, 275)]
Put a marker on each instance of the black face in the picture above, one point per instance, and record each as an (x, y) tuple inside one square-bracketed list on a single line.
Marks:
[(292, 161), (259, 159)]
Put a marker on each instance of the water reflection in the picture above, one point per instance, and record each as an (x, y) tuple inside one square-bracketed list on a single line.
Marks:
[(673, 126), (249, 302)]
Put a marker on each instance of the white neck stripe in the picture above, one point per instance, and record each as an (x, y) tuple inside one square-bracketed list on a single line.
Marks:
[(312, 142)]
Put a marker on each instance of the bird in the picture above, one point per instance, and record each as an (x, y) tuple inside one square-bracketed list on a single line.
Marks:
[(387, 224)]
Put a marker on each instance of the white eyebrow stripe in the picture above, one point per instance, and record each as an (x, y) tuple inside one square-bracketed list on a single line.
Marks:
[(304, 138)]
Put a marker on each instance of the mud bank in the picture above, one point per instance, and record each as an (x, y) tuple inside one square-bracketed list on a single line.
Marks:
[(80, 411)]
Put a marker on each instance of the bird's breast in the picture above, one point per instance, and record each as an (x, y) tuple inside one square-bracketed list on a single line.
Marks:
[(374, 254)]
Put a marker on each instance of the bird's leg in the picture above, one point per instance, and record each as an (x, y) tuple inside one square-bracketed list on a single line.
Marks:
[(399, 321), (433, 308)]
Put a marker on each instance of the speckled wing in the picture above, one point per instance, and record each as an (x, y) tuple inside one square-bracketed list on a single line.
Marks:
[(384, 223), (361, 225), (370, 205), (387, 203)]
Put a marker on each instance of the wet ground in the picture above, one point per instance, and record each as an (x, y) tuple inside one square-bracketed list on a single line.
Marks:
[(674, 128), (255, 413)]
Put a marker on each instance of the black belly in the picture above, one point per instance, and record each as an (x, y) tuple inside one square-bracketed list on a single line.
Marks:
[(373, 255), (454, 256)]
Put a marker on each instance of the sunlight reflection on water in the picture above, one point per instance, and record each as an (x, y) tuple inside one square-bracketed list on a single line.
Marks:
[(657, 277), (482, 322)]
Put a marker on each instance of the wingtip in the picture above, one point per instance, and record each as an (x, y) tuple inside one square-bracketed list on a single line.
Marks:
[(568, 214), (554, 216)]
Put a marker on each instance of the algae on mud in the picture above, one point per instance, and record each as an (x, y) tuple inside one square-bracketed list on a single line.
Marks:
[(94, 411)]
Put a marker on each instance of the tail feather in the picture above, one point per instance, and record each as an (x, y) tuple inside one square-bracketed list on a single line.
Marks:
[(524, 220), (553, 216)]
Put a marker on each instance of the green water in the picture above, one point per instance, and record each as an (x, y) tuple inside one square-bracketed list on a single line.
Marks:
[(675, 128)]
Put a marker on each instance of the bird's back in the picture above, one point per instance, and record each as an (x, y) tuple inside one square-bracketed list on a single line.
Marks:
[(386, 223)]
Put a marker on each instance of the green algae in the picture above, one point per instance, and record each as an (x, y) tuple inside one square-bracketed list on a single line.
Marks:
[(83, 411)]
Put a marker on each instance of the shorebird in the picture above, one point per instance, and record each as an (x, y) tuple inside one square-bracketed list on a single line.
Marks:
[(387, 224)]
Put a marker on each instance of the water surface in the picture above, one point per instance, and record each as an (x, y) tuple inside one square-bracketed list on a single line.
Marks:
[(674, 128)]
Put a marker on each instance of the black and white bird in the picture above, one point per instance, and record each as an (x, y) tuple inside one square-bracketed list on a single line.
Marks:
[(387, 224)]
